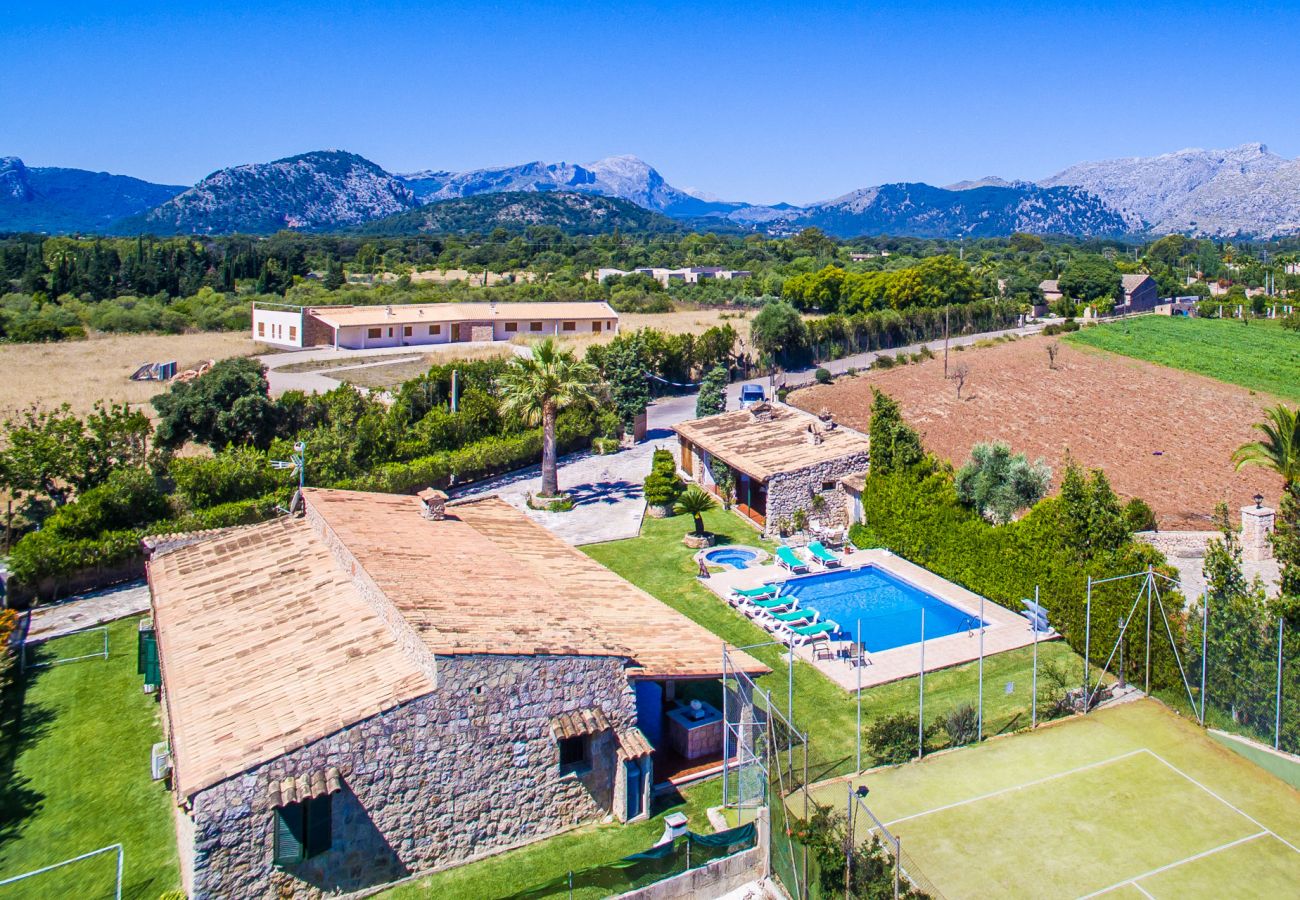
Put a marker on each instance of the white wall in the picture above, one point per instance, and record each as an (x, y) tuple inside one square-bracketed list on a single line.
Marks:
[(357, 337), (272, 326)]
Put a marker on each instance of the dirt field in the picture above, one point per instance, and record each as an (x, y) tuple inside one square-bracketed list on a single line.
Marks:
[(81, 372), (1160, 434)]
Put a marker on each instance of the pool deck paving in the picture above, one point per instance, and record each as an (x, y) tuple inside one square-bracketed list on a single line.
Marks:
[(1005, 629)]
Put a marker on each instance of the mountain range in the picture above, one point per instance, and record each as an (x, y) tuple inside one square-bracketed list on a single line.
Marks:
[(1246, 191)]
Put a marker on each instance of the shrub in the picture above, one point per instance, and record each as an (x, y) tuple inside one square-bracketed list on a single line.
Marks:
[(1069, 325), (45, 554), (962, 725), (605, 445), (823, 376), (893, 739), (1051, 329), (997, 484), (233, 475), (1139, 516), (129, 499), (883, 362), (662, 485), (8, 624), (925, 352)]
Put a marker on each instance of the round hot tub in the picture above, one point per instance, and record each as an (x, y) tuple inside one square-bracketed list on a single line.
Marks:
[(732, 556)]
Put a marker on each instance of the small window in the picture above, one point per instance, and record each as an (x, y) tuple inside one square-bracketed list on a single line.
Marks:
[(570, 326), (534, 326), (390, 332), (303, 830), (293, 332), (435, 329), (512, 326), (406, 331), (575, 754), (375, 332), (828, 486), (595, 326), (261, 329)]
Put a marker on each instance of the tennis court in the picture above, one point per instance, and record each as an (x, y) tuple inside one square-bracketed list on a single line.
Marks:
[(1131, 801)]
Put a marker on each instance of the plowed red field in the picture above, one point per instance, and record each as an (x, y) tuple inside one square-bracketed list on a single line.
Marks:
[(1160, 434)]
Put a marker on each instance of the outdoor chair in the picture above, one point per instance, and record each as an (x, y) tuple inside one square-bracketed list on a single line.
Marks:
[(824, 556), (787, 559)]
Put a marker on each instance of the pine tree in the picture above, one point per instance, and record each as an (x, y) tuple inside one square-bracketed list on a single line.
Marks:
[(894, 445), (334, 275)]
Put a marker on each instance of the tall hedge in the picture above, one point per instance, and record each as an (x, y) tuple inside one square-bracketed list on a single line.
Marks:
[(917, 515)]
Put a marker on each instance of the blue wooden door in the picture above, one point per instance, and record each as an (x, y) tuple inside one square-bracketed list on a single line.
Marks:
[(635, 787)]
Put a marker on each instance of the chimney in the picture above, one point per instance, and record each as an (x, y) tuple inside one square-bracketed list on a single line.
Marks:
[(433, 504)]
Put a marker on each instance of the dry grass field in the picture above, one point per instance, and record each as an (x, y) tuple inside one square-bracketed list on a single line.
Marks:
[(81, 372), (1160, 434)]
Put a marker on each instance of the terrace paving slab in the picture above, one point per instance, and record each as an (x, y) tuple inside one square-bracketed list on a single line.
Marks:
[(1006, 630), (88, 610)]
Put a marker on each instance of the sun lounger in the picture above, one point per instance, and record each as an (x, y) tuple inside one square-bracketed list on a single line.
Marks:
[(787, 558), (759, 593), (807, 634), (824, 556), (795, 615), (773, 603)]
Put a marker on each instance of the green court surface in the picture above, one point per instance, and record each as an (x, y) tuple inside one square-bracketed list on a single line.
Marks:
[(1130, 801), (1283, 767)]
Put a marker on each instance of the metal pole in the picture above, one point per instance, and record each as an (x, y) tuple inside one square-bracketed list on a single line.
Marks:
[(570, 884), (1148, 673), (1087, 645), (789, 702), (858, 663), (898, 862), (979, 734), (1205, 646), (920, 714), (1277, 722), (1033, 702), (120, 858), (726, 727)]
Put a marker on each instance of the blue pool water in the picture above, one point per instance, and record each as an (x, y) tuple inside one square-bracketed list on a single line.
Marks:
[(736, 557), (888, 607)]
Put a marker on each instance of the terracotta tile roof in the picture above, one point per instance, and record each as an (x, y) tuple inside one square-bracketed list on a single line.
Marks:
[(1133, 282), (305, 787), (632, 743), (578, 723), (763, 447), (506, 585), (268, 642), (266, 645), (414, 313)]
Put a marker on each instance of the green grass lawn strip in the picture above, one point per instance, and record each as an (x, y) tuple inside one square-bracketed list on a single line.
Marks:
[(1260, 355), (74, 776)]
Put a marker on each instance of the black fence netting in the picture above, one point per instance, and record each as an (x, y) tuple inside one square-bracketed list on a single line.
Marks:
[(691, 851)]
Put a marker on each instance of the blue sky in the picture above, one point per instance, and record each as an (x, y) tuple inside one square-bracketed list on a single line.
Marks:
[(755, 101)]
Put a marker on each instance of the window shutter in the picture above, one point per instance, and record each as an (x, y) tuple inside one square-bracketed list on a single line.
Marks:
[(319, 824), (147, 657), (289, 835)]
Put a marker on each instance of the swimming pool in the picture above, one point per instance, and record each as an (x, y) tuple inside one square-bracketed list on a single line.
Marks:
[(735, 557), (888, 607)]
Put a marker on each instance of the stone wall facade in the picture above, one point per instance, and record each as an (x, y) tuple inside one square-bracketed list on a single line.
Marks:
[(466, 770), (790, 491)]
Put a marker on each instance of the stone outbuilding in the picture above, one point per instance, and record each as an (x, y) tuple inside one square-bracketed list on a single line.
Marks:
[(781, 459), (377, 685)]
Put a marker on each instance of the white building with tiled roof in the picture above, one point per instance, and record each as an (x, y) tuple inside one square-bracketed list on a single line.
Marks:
[(418, 324), (382, 684)]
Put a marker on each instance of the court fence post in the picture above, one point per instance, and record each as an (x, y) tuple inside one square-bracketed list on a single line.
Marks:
[(920, 713), (1277, 722), (1087, 644), (1205, 645)]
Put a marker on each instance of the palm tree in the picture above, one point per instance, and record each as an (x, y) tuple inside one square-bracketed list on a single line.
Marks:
[(535, 389), (695, 502), (1280, 448)]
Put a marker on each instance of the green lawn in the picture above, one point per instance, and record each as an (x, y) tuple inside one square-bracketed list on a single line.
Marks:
[(590, 845), (1256, 354), (658, 562), (1131, 795), (74, 776)]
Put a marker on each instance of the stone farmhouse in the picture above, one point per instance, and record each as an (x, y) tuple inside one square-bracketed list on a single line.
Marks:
[(782, 459), (1140, 294), (414, 325), (376, 685)]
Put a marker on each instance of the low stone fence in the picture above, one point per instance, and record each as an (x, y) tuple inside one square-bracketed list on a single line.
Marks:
[(718, 878)]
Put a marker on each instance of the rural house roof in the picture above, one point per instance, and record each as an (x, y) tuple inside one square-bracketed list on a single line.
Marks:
[(306, 786), (1133, 282), (416, 313), (762, 445), (276, 635), (578, 723)]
